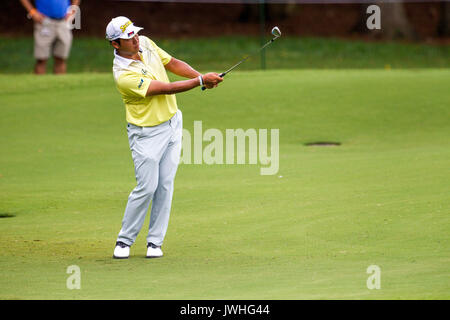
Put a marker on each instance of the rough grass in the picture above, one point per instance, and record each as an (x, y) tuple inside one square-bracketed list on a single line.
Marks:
[(218, 54)]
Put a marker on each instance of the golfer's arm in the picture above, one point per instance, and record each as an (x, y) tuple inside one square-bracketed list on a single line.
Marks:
[(181, 69), (158, 87)]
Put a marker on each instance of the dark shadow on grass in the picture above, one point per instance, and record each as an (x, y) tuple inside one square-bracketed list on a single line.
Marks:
[(6, 215), (322, 144)]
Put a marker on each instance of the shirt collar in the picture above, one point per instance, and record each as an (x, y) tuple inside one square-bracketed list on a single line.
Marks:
[(123, 62)]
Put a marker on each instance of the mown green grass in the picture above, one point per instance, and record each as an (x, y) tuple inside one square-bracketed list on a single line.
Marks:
[(218, 54), (308, 232)]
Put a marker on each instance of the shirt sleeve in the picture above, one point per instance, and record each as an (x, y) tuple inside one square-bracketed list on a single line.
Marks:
[(163, 55), (133, 85)]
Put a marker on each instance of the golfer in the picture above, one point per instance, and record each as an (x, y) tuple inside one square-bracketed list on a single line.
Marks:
[(154, 128)]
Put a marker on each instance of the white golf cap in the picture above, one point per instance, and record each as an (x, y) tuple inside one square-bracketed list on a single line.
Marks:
[(121, 27)]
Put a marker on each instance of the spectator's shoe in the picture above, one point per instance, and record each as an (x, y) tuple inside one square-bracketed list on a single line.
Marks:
[(121, 251), (154, 251)]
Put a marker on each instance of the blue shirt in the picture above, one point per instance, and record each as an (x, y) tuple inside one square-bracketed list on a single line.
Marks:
[(55, 9)]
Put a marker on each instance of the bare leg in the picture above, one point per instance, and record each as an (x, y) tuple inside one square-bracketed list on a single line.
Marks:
[(40, 66), (60, 66)]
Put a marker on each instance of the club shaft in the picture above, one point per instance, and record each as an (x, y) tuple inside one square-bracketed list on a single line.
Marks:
[(223, 74), (237, 64)]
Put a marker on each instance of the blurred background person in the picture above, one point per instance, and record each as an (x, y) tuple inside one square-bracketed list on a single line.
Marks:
[(52, 33)]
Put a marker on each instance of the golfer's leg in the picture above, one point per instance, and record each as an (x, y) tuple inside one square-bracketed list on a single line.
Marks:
[(147, 152), (162, 199), (139, 199)]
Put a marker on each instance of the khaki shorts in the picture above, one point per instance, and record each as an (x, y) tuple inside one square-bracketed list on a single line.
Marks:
[(52, 36)]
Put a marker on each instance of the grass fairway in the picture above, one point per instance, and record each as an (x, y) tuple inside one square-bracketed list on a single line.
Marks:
[(308, 232)]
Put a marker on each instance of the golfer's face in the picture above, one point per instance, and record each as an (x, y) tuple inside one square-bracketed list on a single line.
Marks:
[(130, 45)]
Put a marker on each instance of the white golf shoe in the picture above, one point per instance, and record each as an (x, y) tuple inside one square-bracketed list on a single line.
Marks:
[(121, 251), (154, 251)]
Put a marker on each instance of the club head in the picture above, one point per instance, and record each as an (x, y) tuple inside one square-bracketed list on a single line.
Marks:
[(276, 32)]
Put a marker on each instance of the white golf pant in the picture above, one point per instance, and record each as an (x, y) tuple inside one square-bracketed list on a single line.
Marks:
[(156, 154)]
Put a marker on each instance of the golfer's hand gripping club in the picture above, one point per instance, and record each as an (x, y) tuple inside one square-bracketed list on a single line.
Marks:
[(220, 75)]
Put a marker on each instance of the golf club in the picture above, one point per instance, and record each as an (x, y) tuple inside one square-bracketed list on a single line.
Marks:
[(275, 32)]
